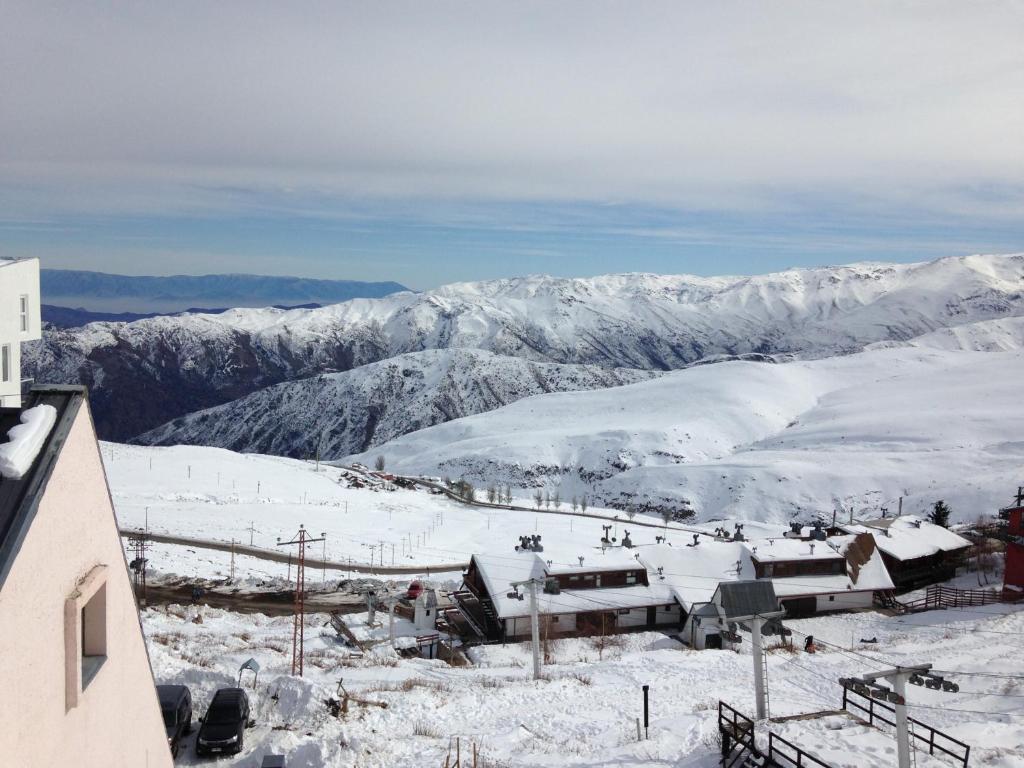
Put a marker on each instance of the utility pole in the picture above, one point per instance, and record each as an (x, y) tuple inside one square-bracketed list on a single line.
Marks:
[(323, 572), (760, 666), (252, 531), (232, 578), (299, 627), (139, 542), (920, 674), (534, 618)]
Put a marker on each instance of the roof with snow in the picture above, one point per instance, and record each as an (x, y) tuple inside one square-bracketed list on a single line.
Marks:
[(694, 572), (909, 537), (21, 491), (499, 572), (774, 550)]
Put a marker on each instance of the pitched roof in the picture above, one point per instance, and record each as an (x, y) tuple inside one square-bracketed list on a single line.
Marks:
[(19, 497), (499, 571), (909, 536), (742, 599)]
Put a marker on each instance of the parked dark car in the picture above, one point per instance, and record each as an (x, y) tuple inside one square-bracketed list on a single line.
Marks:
[(223, 726), (176, 707)]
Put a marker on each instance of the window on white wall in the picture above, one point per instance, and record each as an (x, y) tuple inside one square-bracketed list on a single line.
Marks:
[(85, 634), (23, 309), (5, 362), (94, 635)]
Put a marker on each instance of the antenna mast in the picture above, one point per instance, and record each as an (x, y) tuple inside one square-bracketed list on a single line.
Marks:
[(298, 629)]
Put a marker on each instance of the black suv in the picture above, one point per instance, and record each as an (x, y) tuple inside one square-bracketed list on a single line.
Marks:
[(224, 724), (176, 707)]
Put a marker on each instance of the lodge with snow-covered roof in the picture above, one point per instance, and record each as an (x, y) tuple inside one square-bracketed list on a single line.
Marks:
[(916, 551), (665, 585), (604, 592)]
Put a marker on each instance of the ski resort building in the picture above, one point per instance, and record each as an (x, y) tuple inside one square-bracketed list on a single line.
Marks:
[(77, 685), (916, 552), (601, 593), (808, 577), (19, 322), (714, 624)]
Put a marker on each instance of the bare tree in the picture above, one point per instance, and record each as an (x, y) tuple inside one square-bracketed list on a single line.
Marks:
[(630, 511), (547, 499), (557, 499), (538, 499), (575, 504), (379, 463), (666, 516), (492, 494), (584, 504), (508, 494)]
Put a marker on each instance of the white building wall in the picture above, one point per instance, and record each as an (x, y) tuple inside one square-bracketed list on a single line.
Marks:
[(519, 627), (669, 615), (843, 601), (115, 722), (17, 279)]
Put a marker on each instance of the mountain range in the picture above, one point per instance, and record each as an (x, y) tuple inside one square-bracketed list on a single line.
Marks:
[(147, 373), (849, 434), (102, 292)]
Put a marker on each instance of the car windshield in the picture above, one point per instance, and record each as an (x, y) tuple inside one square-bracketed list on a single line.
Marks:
[(220, 715)]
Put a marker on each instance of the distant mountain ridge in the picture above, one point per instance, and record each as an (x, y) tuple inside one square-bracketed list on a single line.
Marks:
[(103, 292), (75, 317), (146, 373), (754, 441), (341, 413)]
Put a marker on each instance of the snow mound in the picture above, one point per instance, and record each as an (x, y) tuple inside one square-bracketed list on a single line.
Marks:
[(26, 440)]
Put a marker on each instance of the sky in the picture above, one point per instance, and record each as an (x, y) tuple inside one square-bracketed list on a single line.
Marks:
[(434, 142)]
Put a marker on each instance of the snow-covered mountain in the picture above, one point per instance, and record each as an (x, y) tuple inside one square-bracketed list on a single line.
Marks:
[(759, 442), (146, 373), (347, 412)]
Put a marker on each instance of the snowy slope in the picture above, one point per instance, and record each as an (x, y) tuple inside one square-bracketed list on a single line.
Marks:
[(357, 409), (146, 373), (760, 442), (582, 714), (984, 336)]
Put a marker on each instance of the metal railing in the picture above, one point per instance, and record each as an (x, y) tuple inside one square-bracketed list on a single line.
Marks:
[(940, 596), (936, 740), (734, 725), (780, 749)]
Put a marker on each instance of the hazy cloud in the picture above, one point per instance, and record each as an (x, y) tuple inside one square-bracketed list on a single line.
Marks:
[(212, 107)]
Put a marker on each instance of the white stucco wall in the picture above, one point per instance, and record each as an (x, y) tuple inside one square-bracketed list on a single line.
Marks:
[(519, 627), (116, 723), (843, 601), (17, 279)]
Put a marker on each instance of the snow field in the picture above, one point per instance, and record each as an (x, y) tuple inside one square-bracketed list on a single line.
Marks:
[(211, 493), (584, 712), (757, 441)]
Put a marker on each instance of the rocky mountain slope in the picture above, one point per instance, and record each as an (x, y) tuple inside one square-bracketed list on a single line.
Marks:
[(146, 373), (754, 441), (342, 413)]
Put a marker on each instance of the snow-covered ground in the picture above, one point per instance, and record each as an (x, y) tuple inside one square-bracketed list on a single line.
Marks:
[(758, 441), (584, 712), (211, 493)]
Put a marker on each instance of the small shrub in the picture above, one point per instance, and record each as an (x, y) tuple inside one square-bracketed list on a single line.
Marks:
[(423, 728)]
